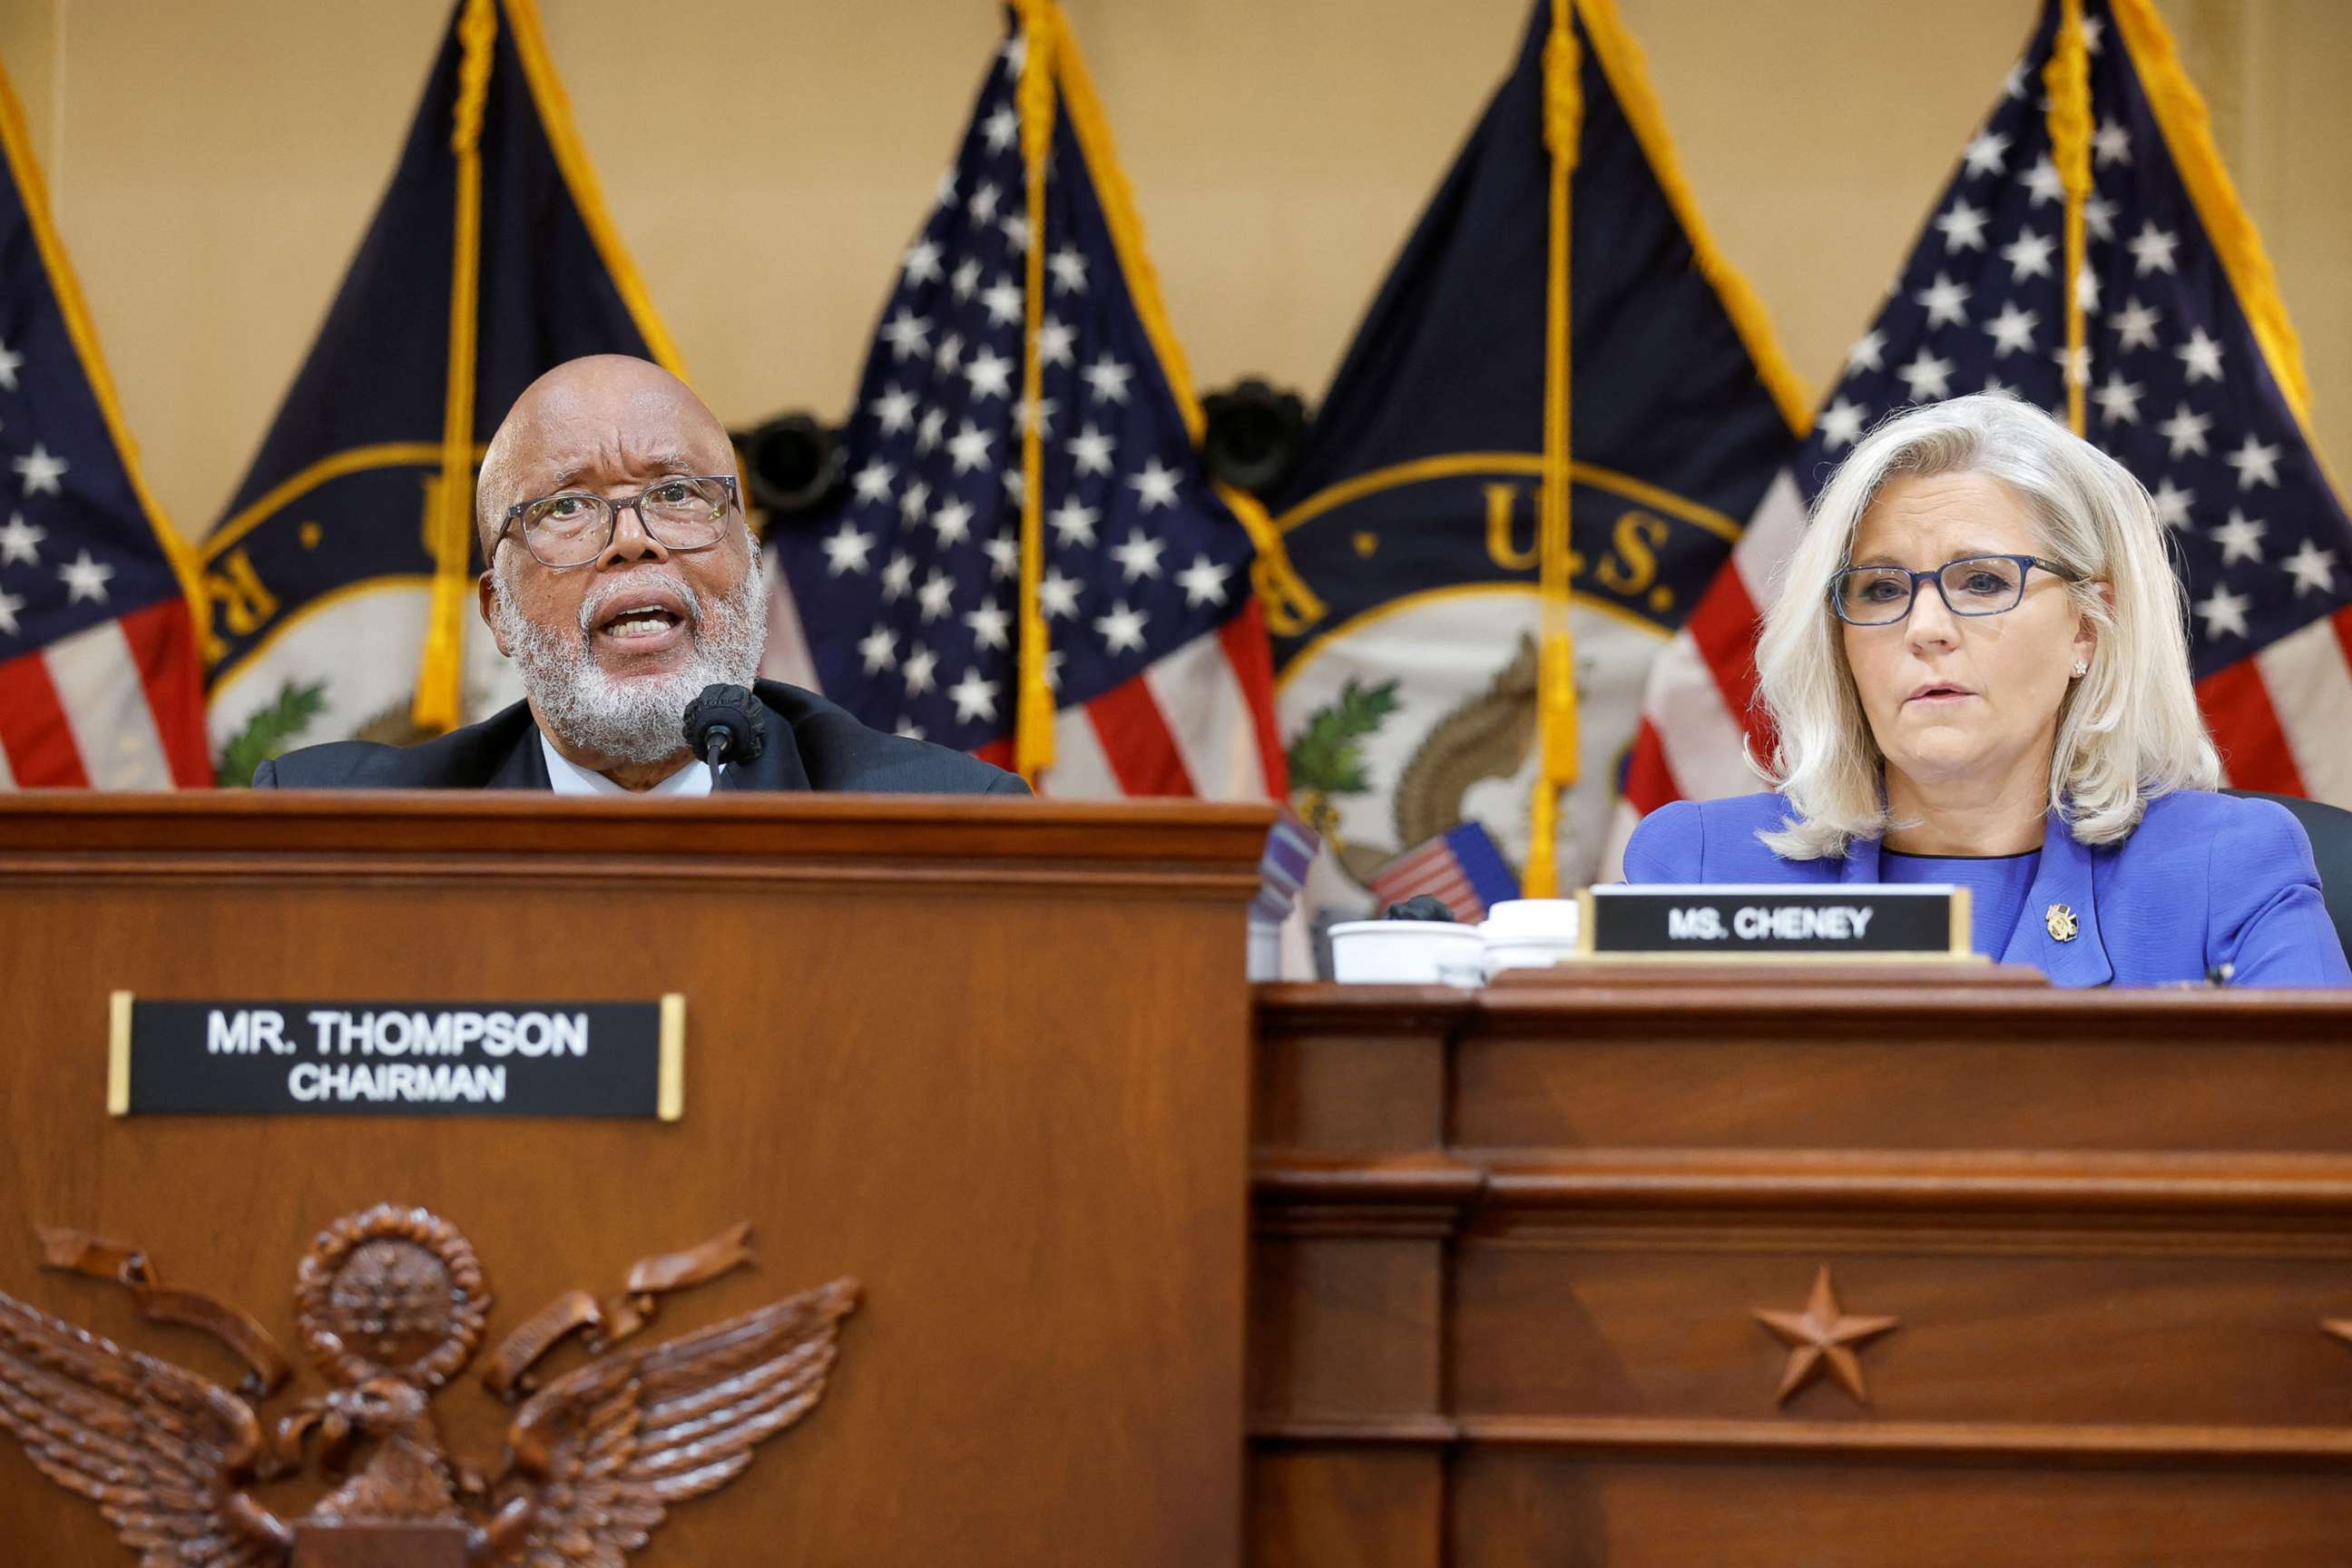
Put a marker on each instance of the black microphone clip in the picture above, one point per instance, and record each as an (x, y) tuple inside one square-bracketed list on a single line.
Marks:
[(725, 725)]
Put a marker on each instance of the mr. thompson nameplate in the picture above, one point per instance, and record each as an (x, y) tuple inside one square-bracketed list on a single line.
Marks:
[(1820, 921), (243, 1057)]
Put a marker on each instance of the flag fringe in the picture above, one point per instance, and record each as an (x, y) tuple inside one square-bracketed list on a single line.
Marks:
[(2067, 81), (16, 145), (2188, 130), (1622, 62), (580, 177), (1088, 124)]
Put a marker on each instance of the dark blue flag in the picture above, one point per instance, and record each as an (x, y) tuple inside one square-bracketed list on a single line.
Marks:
[(99, 673), (1411, 704), (340, 580)]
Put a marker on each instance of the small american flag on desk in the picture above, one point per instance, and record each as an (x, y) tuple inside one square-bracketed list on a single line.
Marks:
[(910, 596), (2191, 377), (101, 683)]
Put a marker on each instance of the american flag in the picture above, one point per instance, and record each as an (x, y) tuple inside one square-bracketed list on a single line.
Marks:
[(2192, 382), (907, 595), (1462, 869), (99, 676)]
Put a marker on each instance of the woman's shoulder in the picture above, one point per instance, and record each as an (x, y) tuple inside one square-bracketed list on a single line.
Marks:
[(2203, 820), (1708, 840)]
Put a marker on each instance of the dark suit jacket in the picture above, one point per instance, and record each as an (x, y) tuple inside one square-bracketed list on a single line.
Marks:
[(811, 744)]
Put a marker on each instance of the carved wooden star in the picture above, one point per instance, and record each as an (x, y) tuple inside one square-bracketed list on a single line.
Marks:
[(1820, 1336)]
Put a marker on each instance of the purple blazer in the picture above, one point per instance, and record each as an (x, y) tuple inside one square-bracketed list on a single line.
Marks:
[(2205, 879)]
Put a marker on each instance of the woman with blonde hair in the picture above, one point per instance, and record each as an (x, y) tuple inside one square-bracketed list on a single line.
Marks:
[(1976, 672)]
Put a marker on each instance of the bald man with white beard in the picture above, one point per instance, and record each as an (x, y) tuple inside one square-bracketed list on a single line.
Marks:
[(622, 578)]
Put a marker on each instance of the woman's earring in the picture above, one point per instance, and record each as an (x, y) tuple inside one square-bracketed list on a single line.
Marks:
[(2082, 668)]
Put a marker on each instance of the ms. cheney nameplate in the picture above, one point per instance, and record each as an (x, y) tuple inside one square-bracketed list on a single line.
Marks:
[(1836, 922), (243, 1057)]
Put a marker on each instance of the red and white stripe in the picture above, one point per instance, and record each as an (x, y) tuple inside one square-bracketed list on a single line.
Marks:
[(118, 706), (1432, 869), (1198, 722), (2279, 718)]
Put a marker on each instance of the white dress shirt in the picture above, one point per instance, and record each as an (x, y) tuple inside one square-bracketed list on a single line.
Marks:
[(570, 778)]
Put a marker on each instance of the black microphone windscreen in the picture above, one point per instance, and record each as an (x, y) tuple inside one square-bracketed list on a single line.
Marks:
[(733, 710)]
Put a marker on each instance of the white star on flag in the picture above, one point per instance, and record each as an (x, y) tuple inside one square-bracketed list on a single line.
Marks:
[(2256, 464), (1841, 422), (988, 625), (1073, 522), (922, 262), (9, 605), (1090, 450), (1156, 485), (2119, 400), (872, 482), (880, 649), (969, 447), (1122, 629), (2135, 325), (2152, 250), (2172, 503), (1946, 301), (2241, 538), (1139, 557), (2012, 330), (2224, 613), (2028, 255), (41, 471), (1203, 582), (1929, 377), (974, 697), (935, 595), (846, 550), (2313, 568), (2186, 430), (1057, 596), (18, 541), (991, 376), (920, 662), (953, 521), (1963, 227), (1069, 271), (1003, 302), (9, 364), (84, 578), (1988, 154), (1106, 379), (2202, 356)]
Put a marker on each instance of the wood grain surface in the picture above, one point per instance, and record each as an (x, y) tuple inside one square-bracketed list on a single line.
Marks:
[(989, 1058), (1531, 1266)]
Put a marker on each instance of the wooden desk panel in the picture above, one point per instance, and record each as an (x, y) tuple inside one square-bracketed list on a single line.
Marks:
[(987, 1059), (2110, 1227)]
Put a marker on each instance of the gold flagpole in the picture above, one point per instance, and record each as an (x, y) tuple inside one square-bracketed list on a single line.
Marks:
[(441, 678), (2067, 79), (1556, 665)]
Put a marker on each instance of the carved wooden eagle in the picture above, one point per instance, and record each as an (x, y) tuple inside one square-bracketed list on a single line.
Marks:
[(594, 1460)]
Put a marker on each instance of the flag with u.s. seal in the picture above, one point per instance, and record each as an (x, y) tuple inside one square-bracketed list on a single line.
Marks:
[(1559, 310), (340, 583)]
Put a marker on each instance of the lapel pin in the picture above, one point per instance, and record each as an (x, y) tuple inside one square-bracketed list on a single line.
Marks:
[(2060, 921)]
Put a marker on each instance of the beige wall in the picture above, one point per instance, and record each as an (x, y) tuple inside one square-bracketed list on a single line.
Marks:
[(214, 162)]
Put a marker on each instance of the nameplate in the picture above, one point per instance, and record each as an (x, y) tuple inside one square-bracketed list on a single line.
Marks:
[(245, 1057), (1844, 922)]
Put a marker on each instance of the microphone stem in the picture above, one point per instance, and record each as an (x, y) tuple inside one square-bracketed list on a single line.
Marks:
[(714, 749)]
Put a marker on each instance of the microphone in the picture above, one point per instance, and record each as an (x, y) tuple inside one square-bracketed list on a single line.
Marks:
[(724, 725)]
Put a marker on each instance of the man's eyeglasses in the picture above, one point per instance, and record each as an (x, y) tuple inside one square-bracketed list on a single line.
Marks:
[(1975, 585), (685, 513)]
